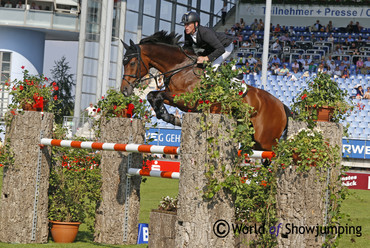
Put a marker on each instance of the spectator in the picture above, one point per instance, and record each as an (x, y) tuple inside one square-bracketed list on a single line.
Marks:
[(301, 61), (341, 66), (330, 38), (251, 60), (321, 69), (275, 60), (346, 62), (312, 67), (366, 67), (283, 71), (337, 72), (350, 27), (34, 6), (276, 47), (338, 50), (8, 5), (277, 29), (261, 25), (346, 42), (316, 27), (237, 28), (331, 67), (357, 28), (359, 91), (353, 47), (177, 114), (242, 23), (367, 93), (291, 31), (91, 113), (329, 60), (254, 25), (345, 73), (284, 37), (329, 27), (20, 5), (224, 12), (248, 68), (359, 65), (293, 45), (350, 39), (295, 65), (294, 75)]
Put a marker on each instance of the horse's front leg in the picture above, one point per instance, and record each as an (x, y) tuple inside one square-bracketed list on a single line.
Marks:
[(156, 99)]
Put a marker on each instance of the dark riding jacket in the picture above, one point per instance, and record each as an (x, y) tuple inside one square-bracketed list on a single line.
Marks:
[(212, 42)]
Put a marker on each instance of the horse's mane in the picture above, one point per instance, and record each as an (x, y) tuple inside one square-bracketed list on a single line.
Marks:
[(162, 37)]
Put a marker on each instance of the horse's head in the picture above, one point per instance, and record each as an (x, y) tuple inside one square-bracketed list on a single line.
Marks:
[(134, 68)]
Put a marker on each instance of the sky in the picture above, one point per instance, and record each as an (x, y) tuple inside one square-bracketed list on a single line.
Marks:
[(55, 50)]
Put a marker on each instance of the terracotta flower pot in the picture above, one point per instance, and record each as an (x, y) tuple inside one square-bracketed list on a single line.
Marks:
[(64, 232), (28, 107), (324, 113)]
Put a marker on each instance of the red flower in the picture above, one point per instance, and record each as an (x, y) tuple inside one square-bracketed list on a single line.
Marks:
[(54, 84), (21, 87), (46, 79), (94, 110), (14, 88), (56, 88), (98, 110), (173, 95), (115, 107), (304, 96), (314, 105), (207, 101), (201, 102), (189, 110), (12, 112), (55, 97), (6, 84), (141, 100), (22, 67), (1, 165), (240, 93), (102, 97)]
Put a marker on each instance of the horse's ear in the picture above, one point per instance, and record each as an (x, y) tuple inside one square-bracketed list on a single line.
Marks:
[(132, 43), (125, 45)]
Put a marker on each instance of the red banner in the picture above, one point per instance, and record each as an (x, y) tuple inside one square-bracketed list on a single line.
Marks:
[(356, 181), (172, 166)]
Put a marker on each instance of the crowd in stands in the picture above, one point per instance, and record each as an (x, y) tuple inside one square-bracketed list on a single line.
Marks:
[(337, 51)]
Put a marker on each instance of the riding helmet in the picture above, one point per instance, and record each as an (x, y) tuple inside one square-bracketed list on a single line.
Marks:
[(190, 17)]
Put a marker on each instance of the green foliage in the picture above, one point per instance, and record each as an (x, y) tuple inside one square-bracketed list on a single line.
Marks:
[(322, 91), (64, 79), (75, 185), (30, 90), (115, 102), (168, 204), (218, 89), (306, 149)]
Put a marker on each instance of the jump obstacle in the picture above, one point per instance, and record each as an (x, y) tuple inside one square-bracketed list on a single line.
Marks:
[(139, 148)]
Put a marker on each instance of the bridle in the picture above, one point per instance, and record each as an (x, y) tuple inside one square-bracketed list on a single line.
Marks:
[(139, 79)]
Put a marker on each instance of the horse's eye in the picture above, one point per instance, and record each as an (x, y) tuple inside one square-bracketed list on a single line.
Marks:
[(132, 63)]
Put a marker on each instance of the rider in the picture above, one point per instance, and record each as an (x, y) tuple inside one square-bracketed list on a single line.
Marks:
[(216, 46)]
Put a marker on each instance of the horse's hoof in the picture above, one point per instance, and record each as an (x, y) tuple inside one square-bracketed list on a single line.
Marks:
[(177, 122)]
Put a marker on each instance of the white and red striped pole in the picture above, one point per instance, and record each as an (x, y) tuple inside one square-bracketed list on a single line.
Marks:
[(112, 146), (153, 173)]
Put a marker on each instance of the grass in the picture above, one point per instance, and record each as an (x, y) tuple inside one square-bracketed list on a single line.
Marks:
[(356, 206)]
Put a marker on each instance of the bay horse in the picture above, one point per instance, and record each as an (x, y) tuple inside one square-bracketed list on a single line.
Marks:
[(163, 52)]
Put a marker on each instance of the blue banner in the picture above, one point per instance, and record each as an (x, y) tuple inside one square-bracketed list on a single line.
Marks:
[(351, 148), (164, 136)]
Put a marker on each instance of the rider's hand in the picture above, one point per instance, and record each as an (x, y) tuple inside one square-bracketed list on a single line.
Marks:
[(202, 59)]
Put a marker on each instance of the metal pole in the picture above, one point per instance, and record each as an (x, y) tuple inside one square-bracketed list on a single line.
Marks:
[(122, 23), (266, 40)]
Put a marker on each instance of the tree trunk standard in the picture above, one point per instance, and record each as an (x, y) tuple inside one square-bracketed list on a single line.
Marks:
[(197, 216), (19, 182), (302, 196), (110, 220)]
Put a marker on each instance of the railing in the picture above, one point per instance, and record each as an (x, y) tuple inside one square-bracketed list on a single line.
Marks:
[(39, 18)]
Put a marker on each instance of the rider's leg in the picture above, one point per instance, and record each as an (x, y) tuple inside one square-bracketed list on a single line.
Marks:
[(228, 50)]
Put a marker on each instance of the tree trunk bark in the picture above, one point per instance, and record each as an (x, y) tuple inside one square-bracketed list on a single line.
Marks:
[(111, 223), (196, 215), (302, 197), (20, 178)]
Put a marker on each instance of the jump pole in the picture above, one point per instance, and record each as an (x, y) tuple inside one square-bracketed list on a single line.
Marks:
[(153, 173), (138, 148)]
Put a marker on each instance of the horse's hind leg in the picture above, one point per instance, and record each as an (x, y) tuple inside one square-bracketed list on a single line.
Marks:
[(156, 99)]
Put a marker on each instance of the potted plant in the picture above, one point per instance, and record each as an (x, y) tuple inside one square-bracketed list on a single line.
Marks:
[(323, 100), (306, 149), (115, 104), (75, 184), (32, 92)]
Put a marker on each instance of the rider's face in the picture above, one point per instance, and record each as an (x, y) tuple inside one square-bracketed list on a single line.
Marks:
[(190, 28)]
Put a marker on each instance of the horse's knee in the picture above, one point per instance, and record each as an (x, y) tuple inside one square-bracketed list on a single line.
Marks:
[(150, 96)]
